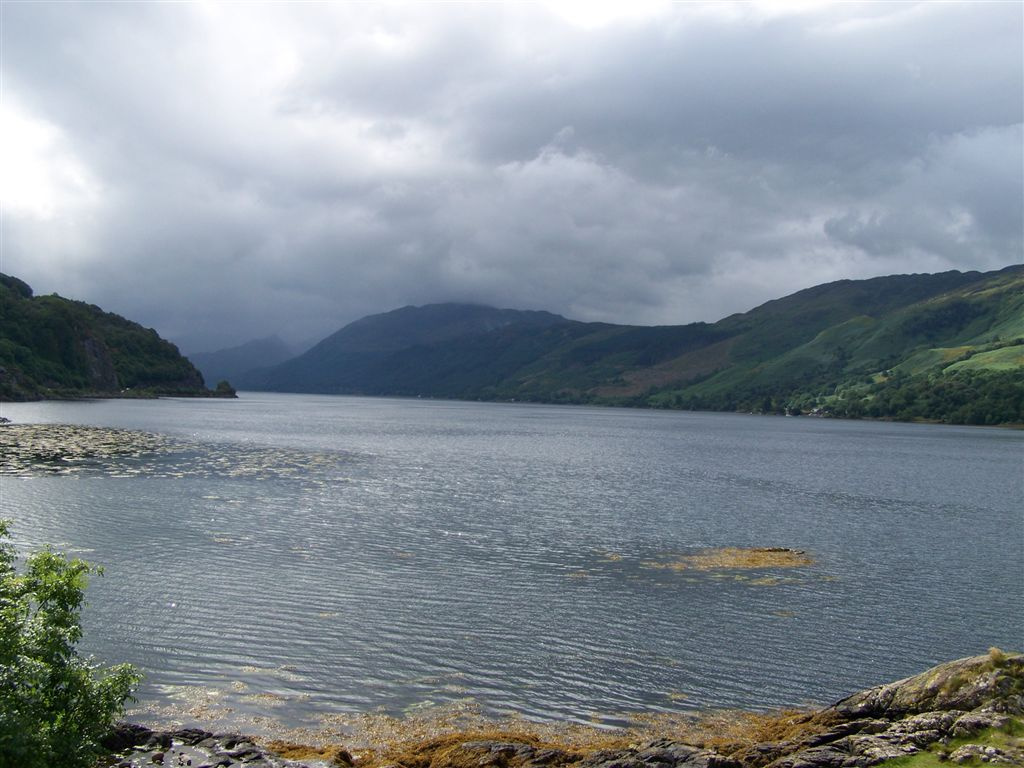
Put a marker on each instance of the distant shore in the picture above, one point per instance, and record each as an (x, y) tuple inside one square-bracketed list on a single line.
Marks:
[(232, 394)]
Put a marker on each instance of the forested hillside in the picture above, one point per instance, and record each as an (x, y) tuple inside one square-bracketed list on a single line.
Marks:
[(54, 347), (946, 347), (956, 355)]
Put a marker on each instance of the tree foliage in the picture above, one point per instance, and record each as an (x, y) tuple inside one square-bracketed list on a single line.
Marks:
[(964, 397), (50, 345), (55, 705)]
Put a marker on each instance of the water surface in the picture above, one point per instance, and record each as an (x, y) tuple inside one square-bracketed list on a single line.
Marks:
[(306, 555)]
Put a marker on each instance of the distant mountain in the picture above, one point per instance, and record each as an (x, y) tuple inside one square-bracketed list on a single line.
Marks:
[(231, 363), (444, 350), (946, 346), (55, 347)]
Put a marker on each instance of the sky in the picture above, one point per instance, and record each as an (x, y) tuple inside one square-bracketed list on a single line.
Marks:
[(228, 171)]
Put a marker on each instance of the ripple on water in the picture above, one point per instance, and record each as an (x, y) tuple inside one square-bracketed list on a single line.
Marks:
[(390, 564)]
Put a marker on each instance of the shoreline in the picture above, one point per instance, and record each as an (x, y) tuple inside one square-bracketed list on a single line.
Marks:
[(73, 397), (965, 711)]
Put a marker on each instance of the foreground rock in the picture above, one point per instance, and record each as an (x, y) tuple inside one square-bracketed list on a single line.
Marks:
[(135, 746), (956, 700), (940, 710)]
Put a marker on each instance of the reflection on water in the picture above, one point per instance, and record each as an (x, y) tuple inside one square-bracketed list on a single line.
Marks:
[(301, 561)]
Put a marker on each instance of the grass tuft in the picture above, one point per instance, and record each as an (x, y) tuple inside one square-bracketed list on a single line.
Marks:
[(996, 656)]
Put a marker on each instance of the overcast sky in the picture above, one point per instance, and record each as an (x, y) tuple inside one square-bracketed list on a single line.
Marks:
[(222, 172)]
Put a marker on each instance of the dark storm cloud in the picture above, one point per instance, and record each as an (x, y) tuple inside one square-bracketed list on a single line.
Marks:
[(223, 172)]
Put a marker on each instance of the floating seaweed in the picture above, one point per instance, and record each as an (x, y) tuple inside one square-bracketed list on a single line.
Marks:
[(64, 449)]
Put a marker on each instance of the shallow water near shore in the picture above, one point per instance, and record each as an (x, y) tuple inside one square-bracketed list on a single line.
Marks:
[(283, 561)]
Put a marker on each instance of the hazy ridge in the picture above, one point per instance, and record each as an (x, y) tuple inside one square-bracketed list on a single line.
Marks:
[(947, 346)]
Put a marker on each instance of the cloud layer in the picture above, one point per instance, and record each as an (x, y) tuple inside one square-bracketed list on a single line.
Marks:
[(228, 171)]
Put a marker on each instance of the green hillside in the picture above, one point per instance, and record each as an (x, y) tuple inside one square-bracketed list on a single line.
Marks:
[(55, 347), (907, 362), (946, 347)]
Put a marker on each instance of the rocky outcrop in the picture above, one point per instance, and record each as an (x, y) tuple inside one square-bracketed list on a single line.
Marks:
[(940, 710), (661, 753), (994, 682), (955, 700), (100, 365), (135, 746)]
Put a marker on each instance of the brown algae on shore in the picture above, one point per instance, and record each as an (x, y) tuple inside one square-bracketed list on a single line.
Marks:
[(454, 733), (331, 754), (457, 737)]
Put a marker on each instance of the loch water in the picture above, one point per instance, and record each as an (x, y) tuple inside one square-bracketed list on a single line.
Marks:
[(312, 555)]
